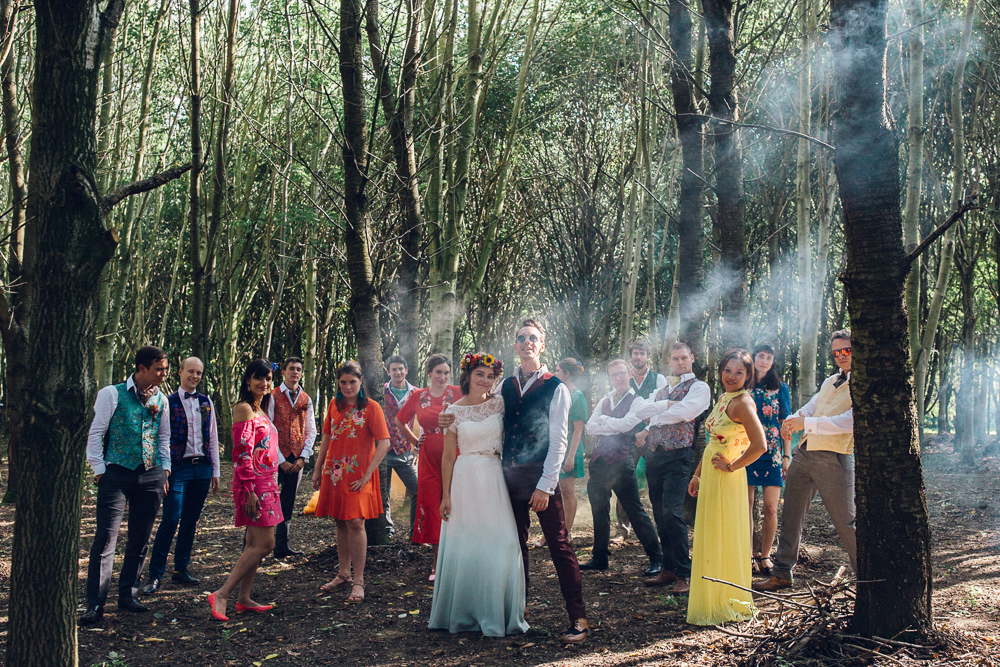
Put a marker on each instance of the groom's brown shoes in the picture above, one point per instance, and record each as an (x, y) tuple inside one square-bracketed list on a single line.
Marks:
[(575, 634), (662, 579)]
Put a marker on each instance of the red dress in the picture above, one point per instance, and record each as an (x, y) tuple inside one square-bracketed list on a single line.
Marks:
[(426, 408), (353, 437), (255, 468)]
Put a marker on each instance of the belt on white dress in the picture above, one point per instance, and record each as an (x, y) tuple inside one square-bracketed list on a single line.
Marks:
[(493, 454)]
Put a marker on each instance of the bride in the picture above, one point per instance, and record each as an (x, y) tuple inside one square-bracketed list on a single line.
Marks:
[(480, 575)]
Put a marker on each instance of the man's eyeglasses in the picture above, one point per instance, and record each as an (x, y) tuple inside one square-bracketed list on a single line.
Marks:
[(533, 338), (845, 352), (615, 376)]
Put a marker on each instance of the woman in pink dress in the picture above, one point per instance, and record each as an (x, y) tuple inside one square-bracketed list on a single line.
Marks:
[(255, 487)]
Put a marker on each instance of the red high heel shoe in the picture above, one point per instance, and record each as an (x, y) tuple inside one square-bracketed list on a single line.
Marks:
[(216, 615), (240, 608)]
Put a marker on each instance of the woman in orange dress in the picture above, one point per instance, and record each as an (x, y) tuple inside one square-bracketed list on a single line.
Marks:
[(355, 440), (426, 404)]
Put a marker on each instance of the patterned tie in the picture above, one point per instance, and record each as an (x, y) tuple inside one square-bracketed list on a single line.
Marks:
[(188, 395), (674, 381)]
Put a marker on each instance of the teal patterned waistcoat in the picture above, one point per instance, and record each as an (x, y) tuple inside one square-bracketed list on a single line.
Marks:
[(133, 433)]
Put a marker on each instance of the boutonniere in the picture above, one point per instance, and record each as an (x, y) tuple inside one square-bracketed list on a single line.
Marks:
[(154, 408), (206, 408)]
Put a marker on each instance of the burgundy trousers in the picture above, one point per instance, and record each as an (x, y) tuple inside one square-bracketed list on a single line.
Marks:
[(520, 486)]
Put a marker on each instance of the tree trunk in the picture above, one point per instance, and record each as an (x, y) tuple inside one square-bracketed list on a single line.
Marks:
[(728, 171), (948, 243), (397, 106), (66, 248), (690, 262), (914, 173), (16, 370), (808, 305), (357, 234), (200, 294), (894, 593)]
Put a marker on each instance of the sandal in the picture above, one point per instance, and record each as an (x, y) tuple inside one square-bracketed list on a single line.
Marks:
[(575, 634), (333, 585), (354, 598), (765, 569)]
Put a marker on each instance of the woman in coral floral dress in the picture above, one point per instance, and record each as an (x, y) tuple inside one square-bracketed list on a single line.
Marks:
[(355, 440), (255, 486), (426, 404)]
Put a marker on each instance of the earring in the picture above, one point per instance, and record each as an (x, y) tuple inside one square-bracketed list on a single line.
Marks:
[(339, 394), (361, 393)]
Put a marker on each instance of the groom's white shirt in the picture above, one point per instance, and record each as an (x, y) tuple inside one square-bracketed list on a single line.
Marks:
[(558, 430)]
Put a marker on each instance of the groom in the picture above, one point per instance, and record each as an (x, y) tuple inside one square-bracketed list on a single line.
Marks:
[(536, 421)]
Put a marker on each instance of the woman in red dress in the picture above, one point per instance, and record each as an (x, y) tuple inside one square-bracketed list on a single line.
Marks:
[(255, 486), (355, 440), (426, 404)]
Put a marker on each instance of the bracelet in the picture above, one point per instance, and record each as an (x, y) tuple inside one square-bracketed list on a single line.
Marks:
[(729, 466), (786, 456)]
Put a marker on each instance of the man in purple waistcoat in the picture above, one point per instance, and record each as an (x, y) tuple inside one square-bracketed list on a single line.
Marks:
[(669, 458), (612, 469)]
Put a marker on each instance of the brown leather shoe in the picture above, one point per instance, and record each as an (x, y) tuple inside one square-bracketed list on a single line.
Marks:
[(662, 579), (682, 587), (772, 583)]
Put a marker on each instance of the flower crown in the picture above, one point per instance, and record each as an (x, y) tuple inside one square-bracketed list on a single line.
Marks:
[(472, 360)]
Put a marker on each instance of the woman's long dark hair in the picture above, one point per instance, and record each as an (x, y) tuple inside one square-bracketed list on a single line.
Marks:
[(771, 379), (739, 354), (351, 367), (258, 368)]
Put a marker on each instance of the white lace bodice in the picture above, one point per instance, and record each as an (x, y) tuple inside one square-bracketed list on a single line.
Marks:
[(479, 427)]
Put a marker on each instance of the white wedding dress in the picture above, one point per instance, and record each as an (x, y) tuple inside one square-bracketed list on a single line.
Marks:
[(479, 585)]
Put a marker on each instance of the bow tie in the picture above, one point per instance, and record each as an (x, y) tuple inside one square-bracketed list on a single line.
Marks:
[(185, 394), (841, 379)]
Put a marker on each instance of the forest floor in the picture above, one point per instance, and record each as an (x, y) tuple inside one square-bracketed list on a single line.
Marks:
[(632, 624)]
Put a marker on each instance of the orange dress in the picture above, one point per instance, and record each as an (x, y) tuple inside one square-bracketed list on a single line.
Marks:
[(353, 436)]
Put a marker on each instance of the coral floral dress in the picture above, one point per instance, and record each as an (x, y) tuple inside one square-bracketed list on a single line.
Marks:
[(255, 468), (353, 437), (426, 408)]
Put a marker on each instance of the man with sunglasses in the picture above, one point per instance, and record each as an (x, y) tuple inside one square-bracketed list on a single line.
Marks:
[(823, 462)]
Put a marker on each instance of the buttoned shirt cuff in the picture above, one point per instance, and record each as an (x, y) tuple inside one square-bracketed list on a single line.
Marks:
[(547, 485), (99, 468)]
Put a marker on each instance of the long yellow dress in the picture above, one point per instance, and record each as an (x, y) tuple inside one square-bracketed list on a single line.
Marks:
[(721, 527)]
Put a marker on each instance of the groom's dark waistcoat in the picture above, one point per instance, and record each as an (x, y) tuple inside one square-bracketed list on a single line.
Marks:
[(526, 421)]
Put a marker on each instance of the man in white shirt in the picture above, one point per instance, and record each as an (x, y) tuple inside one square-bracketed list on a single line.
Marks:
[(128, 449), (823, 462), (194, 454), (669, 452), (291, 411), (615, 421)]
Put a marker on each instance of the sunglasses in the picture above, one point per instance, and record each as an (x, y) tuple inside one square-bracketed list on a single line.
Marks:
[(846, 352), (533, 338)]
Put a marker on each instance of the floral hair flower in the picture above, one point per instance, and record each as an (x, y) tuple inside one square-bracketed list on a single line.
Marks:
[(472, 360)]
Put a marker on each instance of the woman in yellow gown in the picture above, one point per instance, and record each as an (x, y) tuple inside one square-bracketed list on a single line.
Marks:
[(722, 548)]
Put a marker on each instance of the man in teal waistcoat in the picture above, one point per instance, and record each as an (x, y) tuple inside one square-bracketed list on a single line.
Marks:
[(129, 450)]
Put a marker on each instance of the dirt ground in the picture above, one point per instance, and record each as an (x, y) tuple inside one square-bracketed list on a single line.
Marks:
[(632, 624)]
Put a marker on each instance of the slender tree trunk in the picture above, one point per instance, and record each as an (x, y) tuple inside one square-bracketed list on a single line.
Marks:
[(893, 535), (200, 295), (808, 306), (728, 171), (66, 248), (914, 174), (689, 266), (15, 344), (958, 118), (397, 106)]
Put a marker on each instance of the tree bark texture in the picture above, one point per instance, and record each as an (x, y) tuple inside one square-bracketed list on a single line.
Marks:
[(66, 248), (731, 214), (894, 567)]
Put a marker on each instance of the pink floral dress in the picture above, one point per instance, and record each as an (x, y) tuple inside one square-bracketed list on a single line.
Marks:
[(255, 468)]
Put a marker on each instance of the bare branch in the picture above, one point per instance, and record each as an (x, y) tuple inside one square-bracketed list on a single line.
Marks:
[(137, 187), (768, 128), (963, 208)]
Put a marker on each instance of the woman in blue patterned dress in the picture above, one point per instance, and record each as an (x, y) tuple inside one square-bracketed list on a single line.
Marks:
[(774, 404)]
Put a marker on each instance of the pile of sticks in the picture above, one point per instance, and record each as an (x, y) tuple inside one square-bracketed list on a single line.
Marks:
[(812, 627)]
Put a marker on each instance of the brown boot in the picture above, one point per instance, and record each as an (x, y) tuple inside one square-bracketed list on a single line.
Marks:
[(772, 583), (662, 579), (682, 587)]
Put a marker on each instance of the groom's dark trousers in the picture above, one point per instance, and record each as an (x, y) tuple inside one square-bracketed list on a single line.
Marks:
[(521, 482)]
